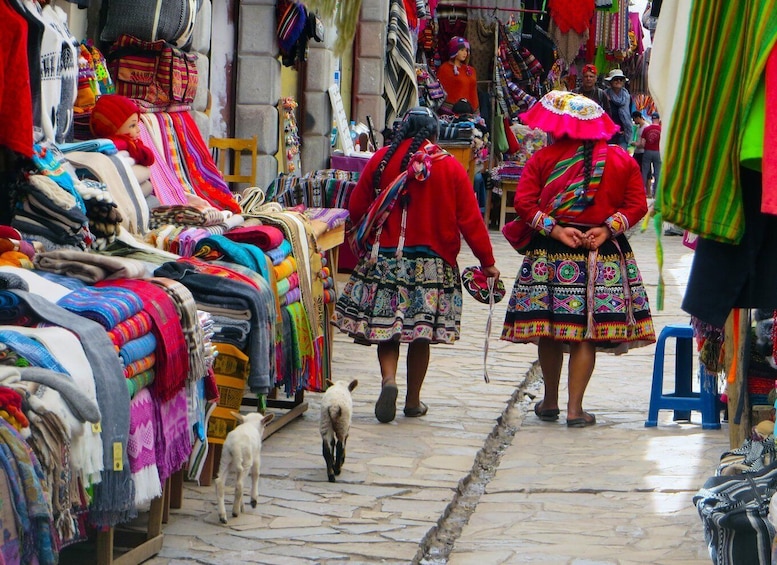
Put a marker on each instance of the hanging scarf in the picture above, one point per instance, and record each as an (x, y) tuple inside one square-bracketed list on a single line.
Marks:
[(621, 102), (420, 167)]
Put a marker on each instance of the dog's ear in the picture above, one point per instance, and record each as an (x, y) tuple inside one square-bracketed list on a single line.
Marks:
[(268, 418), (352, 384), (329, 383), (238, 416)]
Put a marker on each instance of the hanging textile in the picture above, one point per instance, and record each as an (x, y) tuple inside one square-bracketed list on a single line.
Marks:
[(400, 91)]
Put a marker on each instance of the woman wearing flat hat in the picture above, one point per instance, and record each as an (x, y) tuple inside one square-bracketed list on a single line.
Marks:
[(578, 289), (620, 107)]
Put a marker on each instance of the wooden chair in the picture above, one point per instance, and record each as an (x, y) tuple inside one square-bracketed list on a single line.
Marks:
[(236, 148)]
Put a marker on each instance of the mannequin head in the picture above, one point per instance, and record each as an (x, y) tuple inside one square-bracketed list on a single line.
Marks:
[(458, 50), (115, 115)]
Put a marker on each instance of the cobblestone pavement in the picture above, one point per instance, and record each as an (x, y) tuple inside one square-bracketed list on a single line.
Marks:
[(479, 479)]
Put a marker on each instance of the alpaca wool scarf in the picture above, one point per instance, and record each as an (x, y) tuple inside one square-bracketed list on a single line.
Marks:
[(141, 449), (113, 496), (173, 438), (107, 305), (191, 327), (172, 355)]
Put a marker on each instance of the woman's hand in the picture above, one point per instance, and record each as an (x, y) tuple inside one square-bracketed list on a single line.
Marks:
[(596, 236), (490, 272), (569, 236)]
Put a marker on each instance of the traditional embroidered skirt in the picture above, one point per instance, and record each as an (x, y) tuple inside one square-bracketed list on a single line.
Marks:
[(417, 296), (554, 297)]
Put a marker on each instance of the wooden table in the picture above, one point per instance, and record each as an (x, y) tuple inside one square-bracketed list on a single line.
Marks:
[(508, 195)]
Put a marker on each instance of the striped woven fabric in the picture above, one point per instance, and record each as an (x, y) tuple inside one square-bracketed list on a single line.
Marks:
[(106, 305), (136, 349), (401, 90), (132, 328), (700, 189), (167, 187)]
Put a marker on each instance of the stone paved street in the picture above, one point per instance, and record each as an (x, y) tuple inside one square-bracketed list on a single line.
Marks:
[(479, 480)]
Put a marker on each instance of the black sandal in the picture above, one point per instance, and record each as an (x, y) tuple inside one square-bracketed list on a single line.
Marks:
[(417, 412)]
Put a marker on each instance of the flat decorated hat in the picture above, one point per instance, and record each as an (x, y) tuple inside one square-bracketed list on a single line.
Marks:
[(564, 114)]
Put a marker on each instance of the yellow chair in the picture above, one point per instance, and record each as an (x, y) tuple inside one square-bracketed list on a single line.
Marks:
[(235, 148)]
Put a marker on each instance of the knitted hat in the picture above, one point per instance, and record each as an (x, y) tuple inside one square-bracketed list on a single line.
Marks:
[(476, 283), (455, 44), (109, 114)]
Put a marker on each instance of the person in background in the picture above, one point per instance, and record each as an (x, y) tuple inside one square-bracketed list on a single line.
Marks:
[(579, 289), (457, 77), (640, 124), (589, 89), (410, 209), (650, 141), (620, 107)]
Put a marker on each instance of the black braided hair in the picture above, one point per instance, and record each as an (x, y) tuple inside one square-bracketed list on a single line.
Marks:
[(418, 139), (418, 123), (588, 162), (397, 137)]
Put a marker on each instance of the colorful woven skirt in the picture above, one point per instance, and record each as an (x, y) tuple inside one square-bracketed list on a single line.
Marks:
[(554, 297), (417, 296)]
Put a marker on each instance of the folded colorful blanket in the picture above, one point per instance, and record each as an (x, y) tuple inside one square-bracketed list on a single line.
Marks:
[(264, 237), (106, 305)]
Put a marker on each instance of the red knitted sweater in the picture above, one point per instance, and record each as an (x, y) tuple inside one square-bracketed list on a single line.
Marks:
[(440, 211)]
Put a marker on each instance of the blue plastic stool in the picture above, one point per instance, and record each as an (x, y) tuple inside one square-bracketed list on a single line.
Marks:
[(683, 400)]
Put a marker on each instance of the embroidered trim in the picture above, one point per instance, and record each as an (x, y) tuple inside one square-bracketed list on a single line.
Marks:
[(543, 223), (618, 223)]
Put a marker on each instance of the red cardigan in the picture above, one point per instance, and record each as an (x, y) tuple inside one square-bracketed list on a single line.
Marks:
[(621, 189), (441, 209)]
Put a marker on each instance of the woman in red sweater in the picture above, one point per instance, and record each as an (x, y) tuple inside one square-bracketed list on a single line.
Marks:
[(412, 204), (457, 77), (579, 289)]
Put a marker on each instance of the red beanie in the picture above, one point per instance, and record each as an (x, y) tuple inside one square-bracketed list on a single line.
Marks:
[(109, 114)]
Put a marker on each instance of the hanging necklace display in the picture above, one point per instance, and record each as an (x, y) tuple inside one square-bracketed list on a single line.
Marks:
[(291, 141)]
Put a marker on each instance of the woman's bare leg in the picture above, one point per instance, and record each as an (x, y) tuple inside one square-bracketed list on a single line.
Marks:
[(582, 359), (551, 357)]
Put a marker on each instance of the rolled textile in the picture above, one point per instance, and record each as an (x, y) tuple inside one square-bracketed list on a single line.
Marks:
[(132, 328), (12, 308), (139, 382), (107, 305), (90, 267), (264, 237), (280, 253), (172, 354), (285, 268), (113, 498), (139, 366), (136, 349), (141, 448), (294, 295)]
